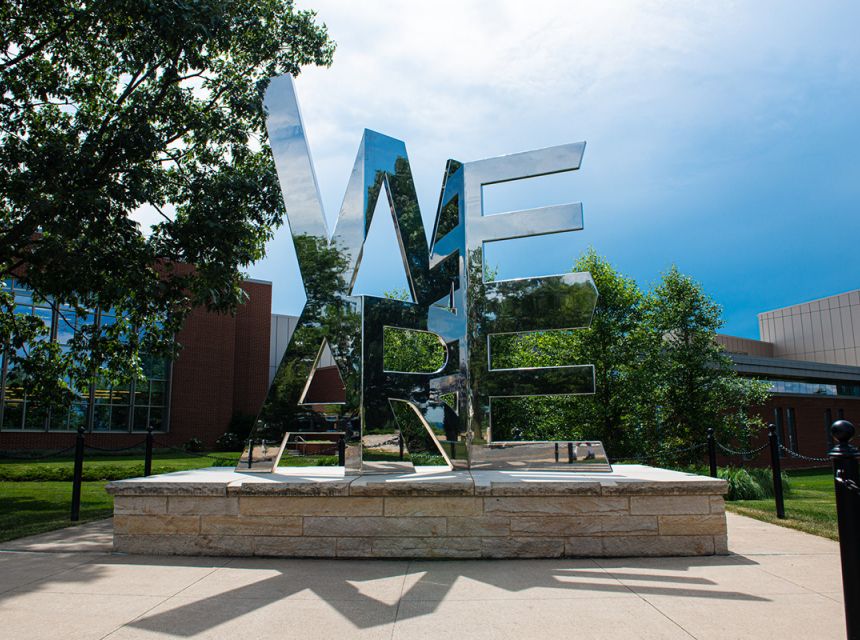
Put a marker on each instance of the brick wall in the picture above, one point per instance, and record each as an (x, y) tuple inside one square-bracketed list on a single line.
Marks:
[(810, 421), (222, 368)]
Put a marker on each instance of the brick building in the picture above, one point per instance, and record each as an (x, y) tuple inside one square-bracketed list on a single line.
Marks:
[(810, 353), (221, 372)]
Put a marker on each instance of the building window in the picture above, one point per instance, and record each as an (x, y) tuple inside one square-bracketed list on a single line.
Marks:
[(799, 387), (120, 409), (852, 390), (791, 421)]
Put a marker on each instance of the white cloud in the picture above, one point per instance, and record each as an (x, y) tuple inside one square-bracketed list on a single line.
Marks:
[(678, 101)]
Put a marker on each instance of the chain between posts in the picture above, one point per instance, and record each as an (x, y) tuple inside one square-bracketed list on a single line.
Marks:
[(798, 456), (7, 456), (129, 448), (751, 452)]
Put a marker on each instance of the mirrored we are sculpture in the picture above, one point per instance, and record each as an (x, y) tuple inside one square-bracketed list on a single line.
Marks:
[(385, 383)]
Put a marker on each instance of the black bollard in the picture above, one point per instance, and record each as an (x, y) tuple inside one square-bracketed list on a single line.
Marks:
[(250, 452), (147, 460), (776, 470), (341, 452), (847, 485), (712, 452), (78, 475)]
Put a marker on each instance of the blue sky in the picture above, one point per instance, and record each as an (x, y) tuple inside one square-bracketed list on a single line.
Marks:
[(721, 137)]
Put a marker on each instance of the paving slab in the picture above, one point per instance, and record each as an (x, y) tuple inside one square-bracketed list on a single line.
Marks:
[(537, 579), (582, 619), (91, 537), (776, 583), (296, 579), (206, 618), (21, 568)]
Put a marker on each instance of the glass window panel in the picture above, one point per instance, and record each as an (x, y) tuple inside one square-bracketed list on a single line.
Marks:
[(119, 418), (799, 387), (102, 392), (120, 395), (59, 420), (155, 368), (102, 418), (13, 414), (141, 394), (65, 328), (141, 415), (155, 418), (34, 417), (156, 397), (14, 394), (77, 416)]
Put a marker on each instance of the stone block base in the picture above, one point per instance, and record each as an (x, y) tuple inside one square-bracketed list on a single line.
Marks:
[(317, 512)]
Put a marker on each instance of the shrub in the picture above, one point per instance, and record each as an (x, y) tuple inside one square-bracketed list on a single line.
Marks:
[(742, 486), (764, 477), (240, 425), (229, 442), (193, 445)]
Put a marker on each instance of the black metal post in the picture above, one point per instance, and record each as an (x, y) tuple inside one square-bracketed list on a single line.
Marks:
[(847, 484), (570, 455), (78, 475), (556, 451), (712, 452), (341, 452), (776, 470), (400, 443), (147, 460), (250, 452)]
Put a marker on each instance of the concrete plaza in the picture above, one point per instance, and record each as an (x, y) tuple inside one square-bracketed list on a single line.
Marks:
[(776, 583)]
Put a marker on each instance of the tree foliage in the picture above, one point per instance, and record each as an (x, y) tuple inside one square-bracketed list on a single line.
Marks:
[(661, 379), (107, 106)]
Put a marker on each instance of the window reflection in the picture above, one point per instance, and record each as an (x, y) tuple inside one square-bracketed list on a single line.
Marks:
[(800, 387), (117, 409)]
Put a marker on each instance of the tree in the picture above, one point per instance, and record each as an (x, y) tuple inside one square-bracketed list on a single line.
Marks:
[(661, 378), (107, 106), (695, 384), (612, 343)]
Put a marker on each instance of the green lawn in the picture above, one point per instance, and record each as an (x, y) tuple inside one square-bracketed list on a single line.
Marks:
[(108, 467), (35, 496), (27, 508), (810, 507)]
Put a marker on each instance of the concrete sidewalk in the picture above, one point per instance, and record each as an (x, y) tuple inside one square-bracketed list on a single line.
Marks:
[(777, 583)]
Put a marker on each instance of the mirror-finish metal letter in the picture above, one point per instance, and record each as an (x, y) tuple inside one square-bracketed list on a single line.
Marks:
[(360, 371)]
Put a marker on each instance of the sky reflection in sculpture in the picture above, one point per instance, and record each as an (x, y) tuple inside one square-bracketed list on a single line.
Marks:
[(452, 295)]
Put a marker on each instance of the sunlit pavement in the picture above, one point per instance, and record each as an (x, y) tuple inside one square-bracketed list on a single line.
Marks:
[(777, 583)]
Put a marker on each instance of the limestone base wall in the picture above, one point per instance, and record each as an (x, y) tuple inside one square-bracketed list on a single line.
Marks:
[(636, 511)]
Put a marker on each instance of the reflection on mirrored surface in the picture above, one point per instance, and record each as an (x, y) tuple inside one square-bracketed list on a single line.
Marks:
[(261, 456), (575, 455), (333, 377)]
